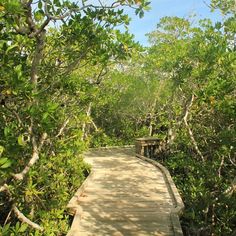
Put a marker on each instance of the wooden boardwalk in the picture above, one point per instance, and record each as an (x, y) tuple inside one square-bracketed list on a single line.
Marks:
[(124, 196)]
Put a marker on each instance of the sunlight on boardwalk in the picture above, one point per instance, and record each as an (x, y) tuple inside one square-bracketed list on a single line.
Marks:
[(124, 196)]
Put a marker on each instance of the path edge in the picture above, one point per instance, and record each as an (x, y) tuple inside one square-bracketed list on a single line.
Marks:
[(178, 203), (72, 206), (111, 147)]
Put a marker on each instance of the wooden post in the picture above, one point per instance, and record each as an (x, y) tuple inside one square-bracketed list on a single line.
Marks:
[(146, 146)]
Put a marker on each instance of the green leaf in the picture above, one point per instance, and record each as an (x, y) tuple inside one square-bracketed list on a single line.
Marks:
[(218, 25), (1, 150), (5, 229), (52, 106), (13, 6), (17, 226), (18, 70), (23, 228), (21, 140), (11, 47), (7, 131), (40, 5), (39, 15), (45, 115), (141, 14), (4, 163)]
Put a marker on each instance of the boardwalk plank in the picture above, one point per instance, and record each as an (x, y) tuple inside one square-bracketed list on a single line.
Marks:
[(124, 197)]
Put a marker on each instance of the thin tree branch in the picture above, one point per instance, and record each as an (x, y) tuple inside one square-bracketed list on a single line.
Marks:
[(77, 9), (75, 63), (94, 125), (42, 27), (189, 129), (68, 13), (88, 113), (231, 189), (8, 216), (24, 219), (15, 113), (231, 161), (37, 58), (29, 18), (21, 30), (34, 158), (63, 127), (17, 212), (221, 165)]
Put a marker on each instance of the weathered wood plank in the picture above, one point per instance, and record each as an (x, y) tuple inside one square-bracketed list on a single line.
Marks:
[(125, 196)]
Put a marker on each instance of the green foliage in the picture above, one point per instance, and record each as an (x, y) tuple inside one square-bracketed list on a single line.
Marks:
[(226, 7), (125, 103), (201, 63), (46, 88), (73, 83), (18, 229)]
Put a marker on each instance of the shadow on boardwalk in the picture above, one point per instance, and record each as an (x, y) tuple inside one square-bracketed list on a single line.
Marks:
[(123, 196)]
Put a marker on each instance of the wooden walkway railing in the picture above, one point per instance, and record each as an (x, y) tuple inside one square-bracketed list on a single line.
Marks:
[(125, 195)]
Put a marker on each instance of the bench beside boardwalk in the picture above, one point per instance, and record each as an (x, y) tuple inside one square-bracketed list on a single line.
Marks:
[(125, 196)]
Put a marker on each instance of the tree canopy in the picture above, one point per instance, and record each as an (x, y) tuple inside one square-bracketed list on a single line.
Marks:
[(70, 79)]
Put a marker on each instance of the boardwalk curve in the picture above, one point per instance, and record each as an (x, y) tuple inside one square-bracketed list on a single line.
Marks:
[(125, 196)]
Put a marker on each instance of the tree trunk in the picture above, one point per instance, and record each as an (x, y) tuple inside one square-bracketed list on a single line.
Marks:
[(88, 113)]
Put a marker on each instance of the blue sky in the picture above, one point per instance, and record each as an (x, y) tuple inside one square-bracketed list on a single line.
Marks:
[(161, 8)]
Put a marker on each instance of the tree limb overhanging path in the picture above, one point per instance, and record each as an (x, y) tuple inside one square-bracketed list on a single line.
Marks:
[(125, 195)]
